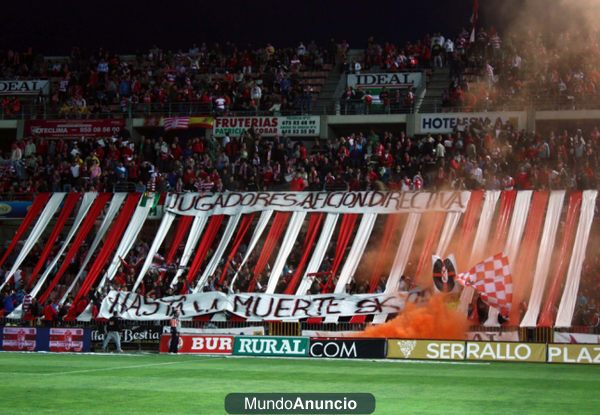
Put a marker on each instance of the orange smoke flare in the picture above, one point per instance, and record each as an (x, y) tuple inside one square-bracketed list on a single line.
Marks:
[(433, 320)]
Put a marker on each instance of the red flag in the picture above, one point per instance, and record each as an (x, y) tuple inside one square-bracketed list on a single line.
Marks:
[(493, 281), (474, 21)]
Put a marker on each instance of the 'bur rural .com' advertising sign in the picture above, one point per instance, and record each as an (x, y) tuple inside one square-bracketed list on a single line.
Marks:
[(270, 346), (199, 344)]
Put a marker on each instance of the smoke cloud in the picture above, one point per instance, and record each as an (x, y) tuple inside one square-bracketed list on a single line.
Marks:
[(433, 320)]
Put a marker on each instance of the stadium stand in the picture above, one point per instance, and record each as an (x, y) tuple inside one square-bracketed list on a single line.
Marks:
[(493, 73)]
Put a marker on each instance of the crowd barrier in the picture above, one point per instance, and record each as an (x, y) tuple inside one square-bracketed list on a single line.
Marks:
[(402, 349), (45, 339), (252, 341)]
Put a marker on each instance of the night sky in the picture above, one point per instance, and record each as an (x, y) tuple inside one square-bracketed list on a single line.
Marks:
[(53, 28)]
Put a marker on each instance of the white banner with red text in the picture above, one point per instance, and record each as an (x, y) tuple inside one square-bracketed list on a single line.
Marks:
[(278, 307), (268, 126), (208, 204), (576, 338)]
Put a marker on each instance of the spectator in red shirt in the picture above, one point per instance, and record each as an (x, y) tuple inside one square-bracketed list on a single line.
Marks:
[(297, 184), (49, 312)]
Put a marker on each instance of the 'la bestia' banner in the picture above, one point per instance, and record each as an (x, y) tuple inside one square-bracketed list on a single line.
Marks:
[(207, 204), (132, 306)]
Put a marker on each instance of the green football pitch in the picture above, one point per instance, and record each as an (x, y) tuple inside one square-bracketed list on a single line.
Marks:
[(164, 384)]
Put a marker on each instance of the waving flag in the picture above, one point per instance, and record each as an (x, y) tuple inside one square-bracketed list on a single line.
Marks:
[(493, 281), (177, 123), (444, 272), (158, 263), (474, 17)]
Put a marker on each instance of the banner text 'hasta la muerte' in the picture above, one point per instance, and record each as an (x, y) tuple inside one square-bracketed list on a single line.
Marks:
[(266, 306)]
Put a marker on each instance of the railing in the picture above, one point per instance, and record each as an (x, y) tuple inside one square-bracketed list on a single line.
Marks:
[(354, 107), (172, 109), (337, 107), (17, 197), (533, 103)]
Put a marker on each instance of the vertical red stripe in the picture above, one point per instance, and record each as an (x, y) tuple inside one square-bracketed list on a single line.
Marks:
[(273, 238), (205, 244), (507, 204), (82, 233), (110, 243), (433, 236), (183, 225), (36, 207), (472, 213), (66, 210), (566, 249), (313, 229), (342, 243), (246, 222), (522, 273), (383, 257)]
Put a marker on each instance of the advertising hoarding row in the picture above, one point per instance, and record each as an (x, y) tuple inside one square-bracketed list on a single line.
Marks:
[(74, 129), (40, 339)]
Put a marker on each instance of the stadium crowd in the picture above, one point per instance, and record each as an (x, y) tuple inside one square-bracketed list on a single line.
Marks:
[(483, 155), (557, 70), (203, 80)]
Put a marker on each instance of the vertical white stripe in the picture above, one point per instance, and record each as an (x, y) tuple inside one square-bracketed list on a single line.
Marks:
[(452, 219), (113, 208), (258, 231), (357, 250), (129, 237), (88, 199), (284, 251), (218, 255), (196, 229), (513, 241), (403, 252), (163, 229), (319, 253), (544, 258), (355, 255), (480, 242), (40, 225), (401, 259), (569, 297)]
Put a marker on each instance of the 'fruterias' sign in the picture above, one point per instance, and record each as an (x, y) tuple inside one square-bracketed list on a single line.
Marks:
[(270, 346), (200, 204), (263, 306), (267, 126)]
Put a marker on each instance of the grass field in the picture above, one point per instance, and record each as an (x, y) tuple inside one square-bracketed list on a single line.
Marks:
[(165, 384)]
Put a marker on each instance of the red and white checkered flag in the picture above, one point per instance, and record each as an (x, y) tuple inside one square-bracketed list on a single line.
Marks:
[(177, 123), (493, 281)]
